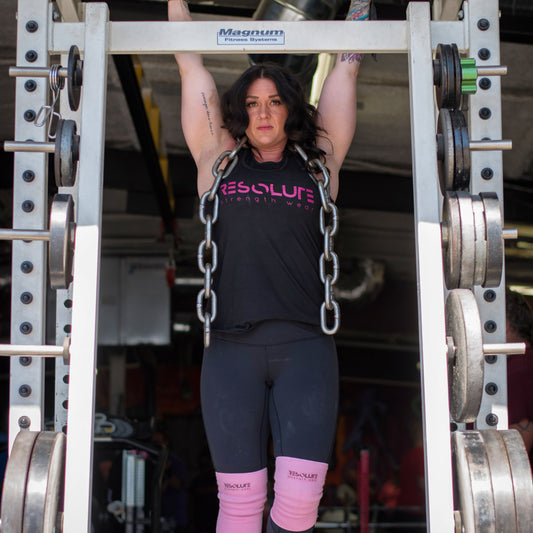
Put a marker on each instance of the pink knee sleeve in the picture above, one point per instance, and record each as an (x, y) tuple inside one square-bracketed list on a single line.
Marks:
[(298, 485), (242, 501)]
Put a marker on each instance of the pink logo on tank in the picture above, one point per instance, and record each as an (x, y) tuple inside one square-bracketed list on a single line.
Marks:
[(271, 193)]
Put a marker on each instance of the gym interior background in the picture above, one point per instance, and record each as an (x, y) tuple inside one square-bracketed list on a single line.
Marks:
[(151, 342)]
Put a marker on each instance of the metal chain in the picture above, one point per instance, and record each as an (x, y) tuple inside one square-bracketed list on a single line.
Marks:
[(206, 301), (48, 111), (329, 225)]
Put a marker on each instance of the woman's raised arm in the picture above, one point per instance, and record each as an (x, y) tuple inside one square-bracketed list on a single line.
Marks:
[(201, 117), (338, 102)]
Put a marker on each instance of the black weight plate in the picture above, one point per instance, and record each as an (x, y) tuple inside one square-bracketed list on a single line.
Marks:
[(446, 73), (462, 150), (455, 88), (437, 73), (57, 151), (445, 151), (441, 76), (450, 103), (457, 147), (74, 77), (66, 153), (465, 176)]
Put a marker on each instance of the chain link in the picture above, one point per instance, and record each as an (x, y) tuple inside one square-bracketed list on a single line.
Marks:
[(206, 301), (329, 225)]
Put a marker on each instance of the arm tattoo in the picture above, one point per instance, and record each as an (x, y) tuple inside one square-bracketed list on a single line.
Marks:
[(208, 114), (359, 10), (524, 427)]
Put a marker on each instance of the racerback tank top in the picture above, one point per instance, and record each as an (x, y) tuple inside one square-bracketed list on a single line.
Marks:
[(269, 243)]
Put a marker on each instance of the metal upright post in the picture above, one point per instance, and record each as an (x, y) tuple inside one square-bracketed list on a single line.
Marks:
[(485, 121), (30, 211), (432, 334), (86, 274), (69, 13)]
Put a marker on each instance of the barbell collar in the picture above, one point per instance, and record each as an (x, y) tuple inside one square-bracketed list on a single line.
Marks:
[(492, 71), (24, 235), (509, 348), (488, 145), (35, 72), (29, 146), (510, 233)]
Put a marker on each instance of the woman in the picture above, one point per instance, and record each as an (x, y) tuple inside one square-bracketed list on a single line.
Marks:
[(268, 363)]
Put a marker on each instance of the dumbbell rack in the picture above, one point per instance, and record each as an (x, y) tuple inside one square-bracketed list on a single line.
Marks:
[(96, 38)]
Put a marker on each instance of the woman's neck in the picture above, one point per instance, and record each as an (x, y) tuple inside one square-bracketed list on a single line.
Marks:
[(273, 155)]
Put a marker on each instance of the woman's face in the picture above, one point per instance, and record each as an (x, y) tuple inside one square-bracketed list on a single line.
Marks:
[(267, 115)]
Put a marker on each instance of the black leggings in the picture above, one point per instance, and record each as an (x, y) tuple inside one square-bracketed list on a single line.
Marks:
[(279, 374)]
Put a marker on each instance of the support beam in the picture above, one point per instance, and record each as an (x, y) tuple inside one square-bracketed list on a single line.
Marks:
[(80, 421), (29, 265), (432, 334), (213, 37)]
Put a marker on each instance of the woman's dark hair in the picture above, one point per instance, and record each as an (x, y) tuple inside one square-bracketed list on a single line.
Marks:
[(301, 125)]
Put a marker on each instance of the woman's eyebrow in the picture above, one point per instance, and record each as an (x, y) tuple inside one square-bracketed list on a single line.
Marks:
[(269, 96)]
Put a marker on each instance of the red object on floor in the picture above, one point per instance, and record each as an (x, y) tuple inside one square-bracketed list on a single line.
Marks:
[(364, 490)]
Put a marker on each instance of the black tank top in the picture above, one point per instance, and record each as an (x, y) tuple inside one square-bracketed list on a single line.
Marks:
[(269, 243)]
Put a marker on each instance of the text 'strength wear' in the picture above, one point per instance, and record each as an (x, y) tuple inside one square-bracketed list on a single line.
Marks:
[(269, 238)]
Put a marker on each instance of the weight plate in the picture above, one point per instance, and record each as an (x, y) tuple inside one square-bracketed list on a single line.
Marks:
[(74, 77), (57, 151), (44, 488), (465, 368), (66, 153), (468, 240), (464, 176), (461, 178), (446, 151), (521, 479), (457, 150), (61, 245), (502, 481), (452, 226), (441, 76), (14, 487), (495, 246), (473, 482), (457, 78), (437, 75), (481, 240)]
